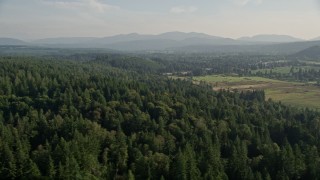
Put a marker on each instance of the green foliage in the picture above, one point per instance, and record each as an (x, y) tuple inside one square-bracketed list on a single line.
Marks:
[(80, 120)]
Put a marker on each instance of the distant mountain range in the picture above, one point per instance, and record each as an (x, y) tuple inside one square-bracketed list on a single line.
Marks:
[(141, 40), (176, 41), (271, 38)]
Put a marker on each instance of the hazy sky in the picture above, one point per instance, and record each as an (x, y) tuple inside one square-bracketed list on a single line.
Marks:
[(30, 19)]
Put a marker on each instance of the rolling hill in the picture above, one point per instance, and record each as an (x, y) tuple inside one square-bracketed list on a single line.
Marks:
[(11, 42), (309, 53), (271, 38), (316, 39), (279, 48)]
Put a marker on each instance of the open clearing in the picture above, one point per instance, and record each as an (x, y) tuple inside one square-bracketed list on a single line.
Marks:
[(292, 93)]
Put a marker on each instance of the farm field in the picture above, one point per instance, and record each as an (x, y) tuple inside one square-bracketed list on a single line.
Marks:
[(291, 93)]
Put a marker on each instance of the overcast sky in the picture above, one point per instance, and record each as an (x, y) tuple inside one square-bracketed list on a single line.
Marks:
[(31, 19)]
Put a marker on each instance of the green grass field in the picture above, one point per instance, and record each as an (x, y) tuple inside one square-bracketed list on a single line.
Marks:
[(292, 93), (309, 99), (233, 79)]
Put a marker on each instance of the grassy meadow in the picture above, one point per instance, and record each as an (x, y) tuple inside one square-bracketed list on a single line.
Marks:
[(291, 93)]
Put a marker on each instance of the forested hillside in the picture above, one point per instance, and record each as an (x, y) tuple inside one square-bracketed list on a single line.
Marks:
[(309, 53), (88, 120)]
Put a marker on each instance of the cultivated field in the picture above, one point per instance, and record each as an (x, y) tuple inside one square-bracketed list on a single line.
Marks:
[(292, 93)]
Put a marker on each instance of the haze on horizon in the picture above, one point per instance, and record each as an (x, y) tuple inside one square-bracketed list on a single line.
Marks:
[(35, 19)]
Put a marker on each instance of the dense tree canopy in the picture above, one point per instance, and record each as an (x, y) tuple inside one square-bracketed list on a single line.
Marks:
[(87, 120)]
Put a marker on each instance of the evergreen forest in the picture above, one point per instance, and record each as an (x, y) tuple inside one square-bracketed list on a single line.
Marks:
[(118, 117)]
